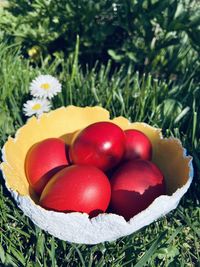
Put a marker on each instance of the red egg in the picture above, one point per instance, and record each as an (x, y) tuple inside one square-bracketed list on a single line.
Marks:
[(43, 160), (134, 186), (138, 146), (81, 188), (100, 144)]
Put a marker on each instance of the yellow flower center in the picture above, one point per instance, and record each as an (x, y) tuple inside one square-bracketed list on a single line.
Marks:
[(36, 106), (45, 86)]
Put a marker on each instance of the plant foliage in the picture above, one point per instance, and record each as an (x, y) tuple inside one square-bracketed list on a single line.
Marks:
[(161, 37)]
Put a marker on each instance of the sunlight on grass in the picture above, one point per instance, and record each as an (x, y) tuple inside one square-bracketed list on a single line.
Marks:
[(173, 239)]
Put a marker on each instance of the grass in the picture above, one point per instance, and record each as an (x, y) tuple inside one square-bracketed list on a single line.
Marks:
[(171, 241)]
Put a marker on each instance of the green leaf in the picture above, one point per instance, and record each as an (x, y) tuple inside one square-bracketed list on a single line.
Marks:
[(114, 55)]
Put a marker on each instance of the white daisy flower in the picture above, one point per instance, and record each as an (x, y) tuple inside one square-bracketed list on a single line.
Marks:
[(45, 86), (36, 106)]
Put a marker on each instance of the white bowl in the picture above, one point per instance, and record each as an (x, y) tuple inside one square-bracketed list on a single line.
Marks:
[(77, 227)]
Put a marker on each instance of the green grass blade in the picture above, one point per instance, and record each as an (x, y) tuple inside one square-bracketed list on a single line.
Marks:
[(2, 254), (150, 251), (79, 254)]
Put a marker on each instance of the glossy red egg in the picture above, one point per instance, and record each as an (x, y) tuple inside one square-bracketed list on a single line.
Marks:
[(80, 188), (43, 160), (137, 146), (134, 186), (100, 144)]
